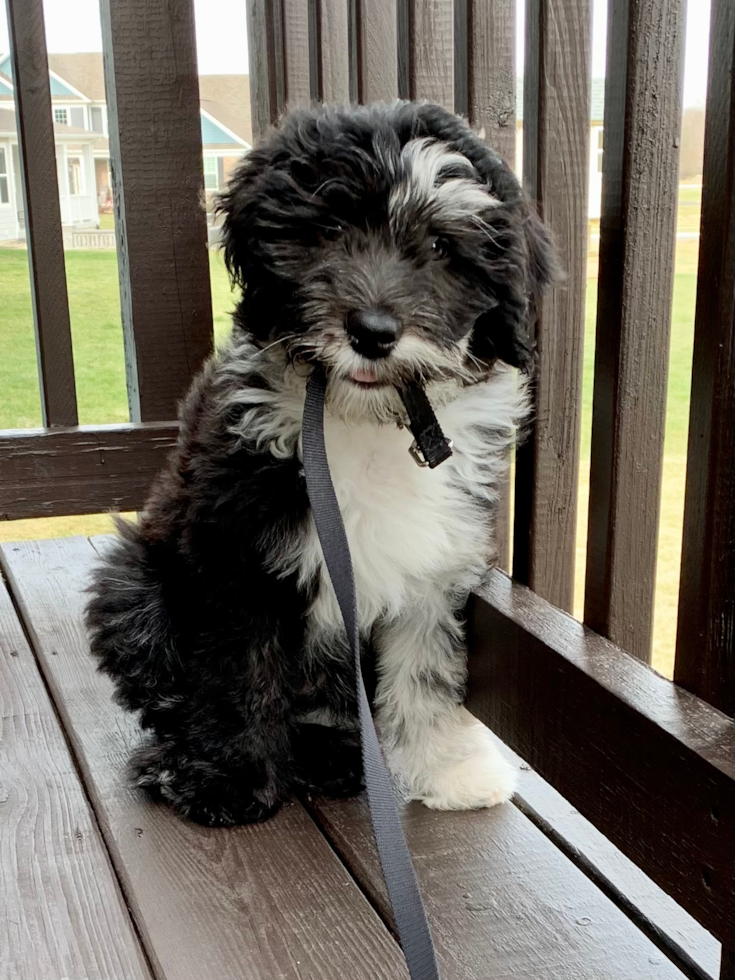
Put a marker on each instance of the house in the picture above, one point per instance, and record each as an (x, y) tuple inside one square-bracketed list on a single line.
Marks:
[(75, 166), (82, 145)]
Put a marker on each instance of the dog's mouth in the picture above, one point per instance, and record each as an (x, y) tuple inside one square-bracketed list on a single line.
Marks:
[(366, 378)]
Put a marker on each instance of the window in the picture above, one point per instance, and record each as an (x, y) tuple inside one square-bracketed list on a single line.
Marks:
[(78, 117), (599, 150), (75, 170), (95, 114), (4, 187), (211, 174), (61, 116)]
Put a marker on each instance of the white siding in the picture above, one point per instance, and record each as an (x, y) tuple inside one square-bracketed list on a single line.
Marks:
[(8, 215)]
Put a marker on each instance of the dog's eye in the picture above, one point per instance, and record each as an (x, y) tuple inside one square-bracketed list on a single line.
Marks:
[(439, 247), (332, 232)]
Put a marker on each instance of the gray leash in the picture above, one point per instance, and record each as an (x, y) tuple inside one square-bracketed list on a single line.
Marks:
[(403, 890)]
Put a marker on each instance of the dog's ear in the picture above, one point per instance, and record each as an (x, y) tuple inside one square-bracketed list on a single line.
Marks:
[(237, 206), (519, 264), (506, 330)]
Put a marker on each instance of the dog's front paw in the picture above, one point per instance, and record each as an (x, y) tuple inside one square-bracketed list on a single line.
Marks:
[(199, 790), (483, 779)]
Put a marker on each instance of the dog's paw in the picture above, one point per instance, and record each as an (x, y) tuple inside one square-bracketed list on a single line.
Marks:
[(328, 761), (199, 790), (483, 779)]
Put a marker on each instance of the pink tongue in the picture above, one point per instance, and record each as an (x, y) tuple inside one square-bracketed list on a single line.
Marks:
[(365, 377)]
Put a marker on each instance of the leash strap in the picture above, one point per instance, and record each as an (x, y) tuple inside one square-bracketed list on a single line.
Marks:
[(400, 879)]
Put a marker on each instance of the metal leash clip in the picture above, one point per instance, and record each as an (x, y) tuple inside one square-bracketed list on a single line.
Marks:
[(430, 446), (419, 458)]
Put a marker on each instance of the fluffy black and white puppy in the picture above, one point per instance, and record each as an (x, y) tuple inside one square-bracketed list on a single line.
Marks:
[(385, 243)]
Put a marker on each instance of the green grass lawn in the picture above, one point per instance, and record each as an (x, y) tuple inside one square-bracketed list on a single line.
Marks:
[(98, 355), (94, 305)]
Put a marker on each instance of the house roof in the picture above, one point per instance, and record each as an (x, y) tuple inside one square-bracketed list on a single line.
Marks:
[(83, 71), (226, 98)]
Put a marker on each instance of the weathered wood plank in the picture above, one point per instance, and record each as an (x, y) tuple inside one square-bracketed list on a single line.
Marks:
[(334, 55), (637, 238), (268, 901), (616, 739), (296, 53), (42, 212), (491, 107), (492, 73), (158, 187), (377, 50), (688, 944), (706, 633), (431, 62), (555, 172), (81, 470), (61, 913), (502, 900), (265, 64)]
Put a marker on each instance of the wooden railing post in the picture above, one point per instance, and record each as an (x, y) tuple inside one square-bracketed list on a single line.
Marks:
[(42, 212), (637, 238), (705, 645), (158, 186), (491, 106), (555, 151)]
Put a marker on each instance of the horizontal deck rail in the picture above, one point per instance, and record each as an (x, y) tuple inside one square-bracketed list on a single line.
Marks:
[(80, 470), (649, 764)]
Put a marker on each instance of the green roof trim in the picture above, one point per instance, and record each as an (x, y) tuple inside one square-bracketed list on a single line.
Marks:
[(214, 135), (57, 87)]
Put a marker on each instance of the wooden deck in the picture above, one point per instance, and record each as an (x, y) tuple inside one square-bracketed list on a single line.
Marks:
[(96, 883)]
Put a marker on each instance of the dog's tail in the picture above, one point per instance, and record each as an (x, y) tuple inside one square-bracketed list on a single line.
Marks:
[(129, 627)]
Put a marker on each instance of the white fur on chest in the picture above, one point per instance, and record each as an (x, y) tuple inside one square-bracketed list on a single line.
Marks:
[(411, 530)]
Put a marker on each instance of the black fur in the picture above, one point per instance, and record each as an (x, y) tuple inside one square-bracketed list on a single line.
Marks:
[(202, 635)]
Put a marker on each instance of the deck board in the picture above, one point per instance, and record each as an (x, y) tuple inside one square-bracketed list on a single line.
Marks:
[(61, 911), (610, 869), (270, 901), (275, 900), (503, 901)]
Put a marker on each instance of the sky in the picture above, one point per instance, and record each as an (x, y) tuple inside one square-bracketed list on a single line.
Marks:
[(73, 25)]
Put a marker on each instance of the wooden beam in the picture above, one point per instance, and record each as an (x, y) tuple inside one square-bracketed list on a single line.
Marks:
[(640, 171), (431, 59), (491, 106), (652, 766), (84, 470), (265, 54), (42, 211), (706, 635), (63, 913), (296, 67), (492, 73), (555, 172), (377, 50), (333, 51), (158, 187)]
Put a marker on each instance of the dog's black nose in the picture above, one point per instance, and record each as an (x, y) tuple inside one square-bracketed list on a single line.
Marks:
[(373, 333)]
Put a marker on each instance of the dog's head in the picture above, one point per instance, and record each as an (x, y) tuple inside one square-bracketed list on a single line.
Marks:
[(387, 243)]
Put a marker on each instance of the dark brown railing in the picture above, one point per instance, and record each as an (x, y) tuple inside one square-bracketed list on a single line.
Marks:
[(650, 763)]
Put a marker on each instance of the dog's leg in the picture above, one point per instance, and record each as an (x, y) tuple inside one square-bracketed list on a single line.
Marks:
[(224, 756), (438, 751)]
